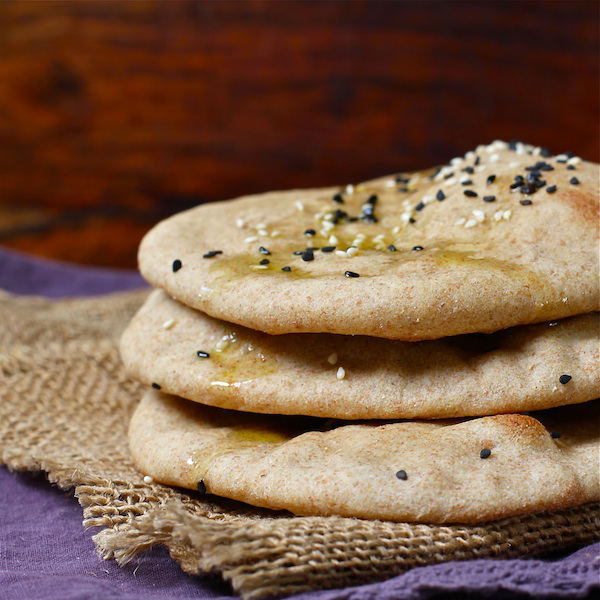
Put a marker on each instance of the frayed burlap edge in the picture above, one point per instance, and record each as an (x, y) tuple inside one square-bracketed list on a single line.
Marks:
[(65, 403)]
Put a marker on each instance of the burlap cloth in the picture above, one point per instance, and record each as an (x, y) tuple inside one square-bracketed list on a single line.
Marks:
[(65, 403)]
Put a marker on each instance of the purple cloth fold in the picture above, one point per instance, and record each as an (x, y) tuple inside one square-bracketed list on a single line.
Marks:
[(49, 556)]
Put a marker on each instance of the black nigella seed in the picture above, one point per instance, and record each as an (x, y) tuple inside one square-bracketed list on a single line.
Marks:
[(571, 167), (574, 181), (489, 198), (328, 249), (539, 184), (403, 189), (372, 199), (338, 199), (400, 179), (466, 182), (286, 269), (525, 202), (351, 274), (477, 161), (202, 354), (411, 220), (440, 195), (263, 250), (470, 193), (565, 379), (528, 188), (551, 189), (485, 453), (351, 219), (176, 265), (156, 386), (417, 248), (310, 232), (449, 175), (515, 185), (201, 487), (469, 170), (402, 475), (554, 435), (265, 261), (419, 206), (392, 248), (545, 152), (532, 176), (308, 255), (490, 179), (212, 253)]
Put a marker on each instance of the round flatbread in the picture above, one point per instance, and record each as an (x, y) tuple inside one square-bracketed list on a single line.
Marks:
[(200, 358), (435, 472), (469, 249)]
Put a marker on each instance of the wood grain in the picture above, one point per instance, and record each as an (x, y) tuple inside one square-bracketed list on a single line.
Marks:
[(114, 114)]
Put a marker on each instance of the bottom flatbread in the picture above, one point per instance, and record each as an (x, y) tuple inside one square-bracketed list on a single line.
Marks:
[(464, 471)]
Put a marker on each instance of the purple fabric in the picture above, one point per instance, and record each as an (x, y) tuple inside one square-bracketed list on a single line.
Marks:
[(49, 556)]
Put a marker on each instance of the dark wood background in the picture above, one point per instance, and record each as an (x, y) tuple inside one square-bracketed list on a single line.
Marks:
[(115, 114)]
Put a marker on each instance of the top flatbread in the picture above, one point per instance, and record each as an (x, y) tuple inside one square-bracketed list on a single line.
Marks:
[(469, 257)]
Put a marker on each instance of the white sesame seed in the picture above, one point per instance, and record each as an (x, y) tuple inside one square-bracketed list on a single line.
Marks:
[(470, 223), (494, 158), (390, 183), (361, 236), (259, 267), (520, 148), (479, 215), (220, 383), (333, 240), (396, 229), (379, 237), (222, 344), (469, 155), (341, 253), (327, 225), (561, 157), (168, 324), (341, 373), (461, 221), (352, 251), (537, 150), (565, 299), (480, 148), (514, 164), (500, 145), (357, 243), (299, 205), (263, 232), (318, 216), (240, 223), (405, 218), (480, 168), (575, 160), (274, 233), (507, 214), (490, 148), (332, 358), (427, 199), (148, 479), (498, 215), (456, 161), (464, 178), (450, 181), (328, 217), (349, 189), (260, 226), (251, 239)]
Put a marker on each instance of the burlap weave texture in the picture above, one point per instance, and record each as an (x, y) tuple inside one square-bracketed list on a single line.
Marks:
[(65, 403)]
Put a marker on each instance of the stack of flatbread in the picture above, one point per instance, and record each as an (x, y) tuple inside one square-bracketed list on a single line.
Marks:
[(421, 347)]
